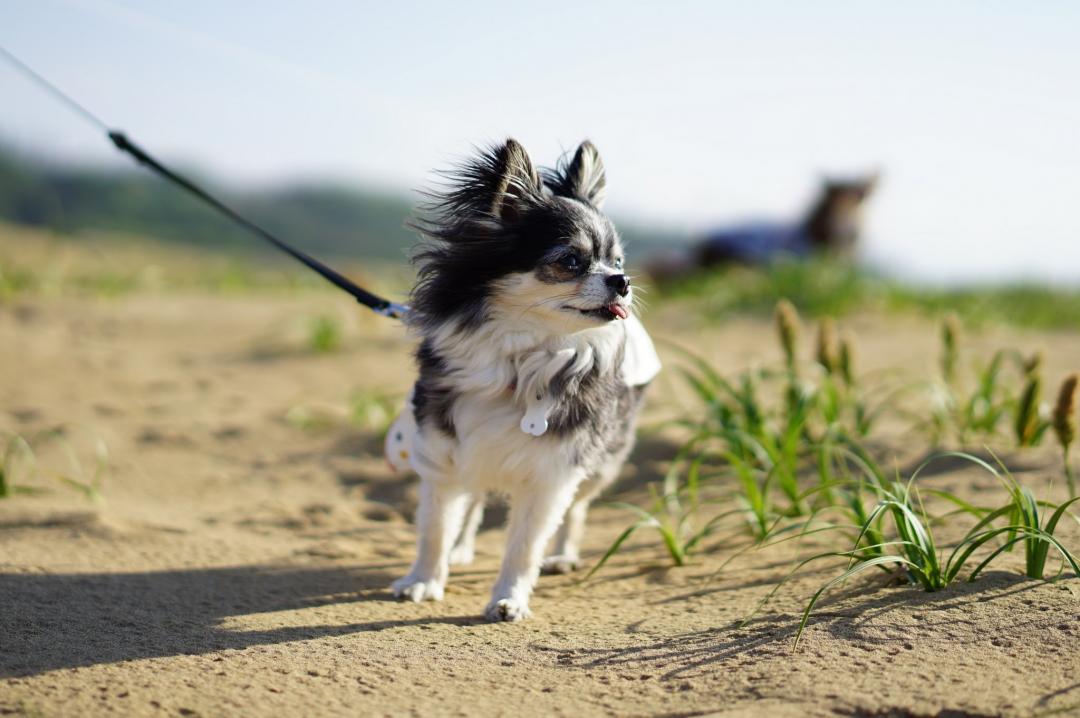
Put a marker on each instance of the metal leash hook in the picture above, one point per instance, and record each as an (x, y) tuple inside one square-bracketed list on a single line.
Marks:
[(374, 302), (392, 310)]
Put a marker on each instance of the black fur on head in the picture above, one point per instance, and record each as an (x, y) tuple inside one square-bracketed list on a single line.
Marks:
[(499, 215)]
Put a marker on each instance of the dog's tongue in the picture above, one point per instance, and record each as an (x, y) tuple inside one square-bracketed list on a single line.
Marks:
[(618, 310)]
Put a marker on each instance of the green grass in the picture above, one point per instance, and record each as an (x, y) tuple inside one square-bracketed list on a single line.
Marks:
[(674, 509), (978, 409), (782, 452), (753, 439), (39, 264), (914, 549), (36, 262), (773, 453), (821, 287), (367, 409), (16, 465), (324, 334), (20, 463)]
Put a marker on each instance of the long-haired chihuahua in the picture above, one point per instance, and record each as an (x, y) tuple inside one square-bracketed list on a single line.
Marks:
[(531, 366)]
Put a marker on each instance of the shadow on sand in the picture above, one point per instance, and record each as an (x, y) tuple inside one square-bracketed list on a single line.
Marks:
[(54, 621), (941, 617)]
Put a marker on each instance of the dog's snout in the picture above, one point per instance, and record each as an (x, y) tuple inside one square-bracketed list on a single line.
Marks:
[(619, 282)]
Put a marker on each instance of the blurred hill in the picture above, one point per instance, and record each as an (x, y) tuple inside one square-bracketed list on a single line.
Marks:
[(325, 220)]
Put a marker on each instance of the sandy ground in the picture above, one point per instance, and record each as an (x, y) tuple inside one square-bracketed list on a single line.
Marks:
[(239, 564)]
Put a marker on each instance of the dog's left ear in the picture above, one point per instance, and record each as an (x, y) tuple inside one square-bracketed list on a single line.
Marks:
[(583, 178), (516, 181), (871, 181)]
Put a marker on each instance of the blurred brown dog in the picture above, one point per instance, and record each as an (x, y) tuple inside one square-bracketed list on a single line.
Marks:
[(831, 226)]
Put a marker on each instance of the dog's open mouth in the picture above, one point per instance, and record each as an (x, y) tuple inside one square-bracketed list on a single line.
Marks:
[(606, 313)]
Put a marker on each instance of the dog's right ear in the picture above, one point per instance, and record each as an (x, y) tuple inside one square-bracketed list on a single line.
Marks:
[(583, 177), (518, 183)]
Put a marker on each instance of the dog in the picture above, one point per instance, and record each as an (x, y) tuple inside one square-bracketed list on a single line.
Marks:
[(532, 367), (831, 227)]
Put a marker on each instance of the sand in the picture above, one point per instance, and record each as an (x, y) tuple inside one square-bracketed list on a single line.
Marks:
[(239, 559)]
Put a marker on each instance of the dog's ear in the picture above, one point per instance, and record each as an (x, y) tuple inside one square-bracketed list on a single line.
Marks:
[(870, 181), (518, 184), (583, 178), (497, 183)]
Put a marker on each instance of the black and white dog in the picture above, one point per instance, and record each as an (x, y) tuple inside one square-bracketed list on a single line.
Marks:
[(531, 367)]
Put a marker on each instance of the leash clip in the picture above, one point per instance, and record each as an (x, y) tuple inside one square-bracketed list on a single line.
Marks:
[(393, 310)]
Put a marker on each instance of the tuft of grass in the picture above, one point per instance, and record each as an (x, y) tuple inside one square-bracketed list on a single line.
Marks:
[(76, 475), (324, 334), (753, 445), (914, 549), (16, 464), (761, 449), (1023, 524), (980, 410), (671, 515), (988, 404), (20, 462)]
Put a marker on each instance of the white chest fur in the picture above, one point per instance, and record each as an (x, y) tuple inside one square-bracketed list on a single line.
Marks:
[(502, 384)]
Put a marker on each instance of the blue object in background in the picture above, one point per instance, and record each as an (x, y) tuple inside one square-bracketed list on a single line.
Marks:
[(756, 243)]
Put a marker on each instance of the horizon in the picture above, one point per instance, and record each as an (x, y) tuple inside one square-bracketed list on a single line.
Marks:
[(965, 110)]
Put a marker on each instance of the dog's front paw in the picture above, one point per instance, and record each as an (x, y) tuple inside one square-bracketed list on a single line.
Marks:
[(559, 564), (462, 555), (416, 590), (507, 609)]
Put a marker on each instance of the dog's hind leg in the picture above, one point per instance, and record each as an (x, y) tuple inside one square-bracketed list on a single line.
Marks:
[(438, 521), (464, 549), (566, 546), (535, 510)]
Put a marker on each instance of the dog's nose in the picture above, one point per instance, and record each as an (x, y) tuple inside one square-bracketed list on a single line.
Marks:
[(620, 283)]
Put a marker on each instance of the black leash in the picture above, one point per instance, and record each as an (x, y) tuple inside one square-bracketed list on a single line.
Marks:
[(122, 143)]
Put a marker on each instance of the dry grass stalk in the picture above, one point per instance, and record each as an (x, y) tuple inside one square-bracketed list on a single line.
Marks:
[(1064, 423), (828, 350), (787, 326), (1027, 411), (847, 361)]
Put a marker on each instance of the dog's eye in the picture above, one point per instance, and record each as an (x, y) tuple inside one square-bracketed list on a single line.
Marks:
[(570, 261), (618, 263)]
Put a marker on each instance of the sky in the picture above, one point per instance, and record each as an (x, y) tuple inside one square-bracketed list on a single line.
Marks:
[(706, 113)]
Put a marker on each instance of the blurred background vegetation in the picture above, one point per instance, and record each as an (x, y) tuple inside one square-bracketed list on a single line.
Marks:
[(326, 219), (69, 228)]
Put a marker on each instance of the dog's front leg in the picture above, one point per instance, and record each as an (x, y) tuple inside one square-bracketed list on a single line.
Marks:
[(438, 522), (535, 511)]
